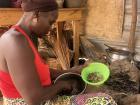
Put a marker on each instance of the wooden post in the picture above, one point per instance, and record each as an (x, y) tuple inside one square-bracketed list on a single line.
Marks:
[(59, 27), (76, 41), (131, 43)]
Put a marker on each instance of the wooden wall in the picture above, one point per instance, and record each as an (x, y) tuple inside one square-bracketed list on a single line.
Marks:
[(105, 18), (121, 39)]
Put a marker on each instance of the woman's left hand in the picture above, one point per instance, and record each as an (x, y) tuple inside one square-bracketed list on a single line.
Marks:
[(77, 69)]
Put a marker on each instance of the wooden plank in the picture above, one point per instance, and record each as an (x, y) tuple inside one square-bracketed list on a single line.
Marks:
[(132, 40), (76, 28), (70, 14), (9, 16)]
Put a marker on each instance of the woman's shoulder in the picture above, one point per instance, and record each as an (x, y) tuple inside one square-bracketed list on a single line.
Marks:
[(12, 34), (12, 37), (12, 40)]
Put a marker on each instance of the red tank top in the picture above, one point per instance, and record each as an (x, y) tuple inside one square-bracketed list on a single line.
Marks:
[(6, 85)]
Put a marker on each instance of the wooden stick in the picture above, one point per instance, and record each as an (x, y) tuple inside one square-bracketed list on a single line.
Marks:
[(76, 41), (131, 43), (61, 48)]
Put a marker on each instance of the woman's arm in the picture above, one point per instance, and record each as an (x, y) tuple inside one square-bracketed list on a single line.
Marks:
[(55, 73), (20, 63)]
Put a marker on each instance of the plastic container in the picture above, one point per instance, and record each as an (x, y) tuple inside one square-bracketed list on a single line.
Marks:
[(101, 68)]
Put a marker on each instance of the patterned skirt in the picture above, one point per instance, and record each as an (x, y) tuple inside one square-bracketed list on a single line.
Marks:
[(85, 99)]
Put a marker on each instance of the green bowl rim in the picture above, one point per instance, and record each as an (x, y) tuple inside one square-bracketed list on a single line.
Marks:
[(98, 83)]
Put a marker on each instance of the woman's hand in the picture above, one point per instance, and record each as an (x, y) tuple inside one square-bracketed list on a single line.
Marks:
[(77, 69), (65, 85), (68, 87)]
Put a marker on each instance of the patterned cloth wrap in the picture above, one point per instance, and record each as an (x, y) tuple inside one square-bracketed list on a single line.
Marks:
[(84, 99), (93, 99)]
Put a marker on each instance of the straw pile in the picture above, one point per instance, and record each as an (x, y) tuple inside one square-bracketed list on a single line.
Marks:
[(91, 52), (57, 47)]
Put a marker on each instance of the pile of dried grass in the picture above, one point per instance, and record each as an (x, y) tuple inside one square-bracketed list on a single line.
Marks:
[(90, 51), (57, 47)]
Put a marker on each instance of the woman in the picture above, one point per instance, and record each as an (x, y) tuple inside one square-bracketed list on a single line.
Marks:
[(23, 75), (24, 78)]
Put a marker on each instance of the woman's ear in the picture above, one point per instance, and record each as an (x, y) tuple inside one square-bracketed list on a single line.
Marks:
[(34, 20), (35, 16)]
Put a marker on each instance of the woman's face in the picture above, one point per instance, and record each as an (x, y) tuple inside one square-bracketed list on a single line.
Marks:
[(44, 21)]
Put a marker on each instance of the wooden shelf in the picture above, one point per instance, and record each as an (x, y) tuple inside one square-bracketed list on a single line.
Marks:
[(9, 16)]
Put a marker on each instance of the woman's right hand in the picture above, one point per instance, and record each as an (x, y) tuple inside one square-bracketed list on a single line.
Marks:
[(67, 86), (64, 85)]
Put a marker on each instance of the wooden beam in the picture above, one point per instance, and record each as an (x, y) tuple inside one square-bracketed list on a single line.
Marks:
[(131, 44), (76, 41)]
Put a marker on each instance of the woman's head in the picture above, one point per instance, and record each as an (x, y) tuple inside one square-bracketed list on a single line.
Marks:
[(39, 5), (42, 13), (42, 21)]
